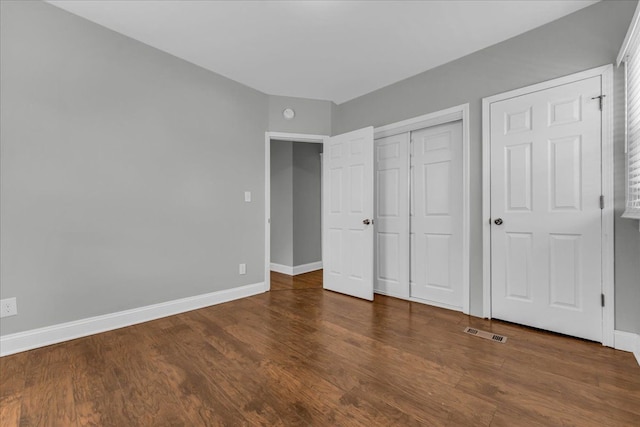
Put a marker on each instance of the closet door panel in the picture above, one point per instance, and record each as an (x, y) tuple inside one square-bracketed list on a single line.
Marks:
[(392, 215), (436, 215)]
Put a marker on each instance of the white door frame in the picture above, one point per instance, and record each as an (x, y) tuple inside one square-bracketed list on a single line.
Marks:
[(606, 73), (459, 112), (280, 136)]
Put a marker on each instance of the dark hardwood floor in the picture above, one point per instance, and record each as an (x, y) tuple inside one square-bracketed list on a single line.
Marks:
[(299, 355)]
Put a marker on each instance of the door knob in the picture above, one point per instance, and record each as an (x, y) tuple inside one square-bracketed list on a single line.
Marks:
[(366, 221), (498, 221)]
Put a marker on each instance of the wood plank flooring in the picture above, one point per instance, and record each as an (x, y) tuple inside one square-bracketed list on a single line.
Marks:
[(300, 355)]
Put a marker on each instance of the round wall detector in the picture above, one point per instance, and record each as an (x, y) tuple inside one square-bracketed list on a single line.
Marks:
[(288, 113)]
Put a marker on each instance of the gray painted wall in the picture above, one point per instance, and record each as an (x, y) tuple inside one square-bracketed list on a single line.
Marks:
[(296, 235), (586, 39), (307, 234), (312, 116), (123, 172), (282, 202)]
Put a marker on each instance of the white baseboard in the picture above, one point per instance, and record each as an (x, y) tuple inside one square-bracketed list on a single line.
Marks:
[(280, 268), (296, 269), (306, 268), (22, 341), (627, 341)]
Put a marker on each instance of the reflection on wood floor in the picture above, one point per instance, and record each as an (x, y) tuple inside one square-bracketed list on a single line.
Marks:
[(299, 355)]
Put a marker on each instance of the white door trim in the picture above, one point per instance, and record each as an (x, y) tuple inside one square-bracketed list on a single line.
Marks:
[(281, 136), (459, 112), (606, 72)]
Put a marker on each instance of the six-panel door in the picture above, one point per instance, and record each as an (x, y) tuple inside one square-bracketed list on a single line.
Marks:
[(348, 213), (545, 210)]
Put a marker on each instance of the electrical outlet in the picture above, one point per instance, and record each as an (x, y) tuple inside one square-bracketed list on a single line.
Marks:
[(243, 268), (8, 307)]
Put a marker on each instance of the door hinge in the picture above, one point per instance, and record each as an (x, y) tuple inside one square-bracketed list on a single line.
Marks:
[(602, 299), (601, 202), (600, 98)]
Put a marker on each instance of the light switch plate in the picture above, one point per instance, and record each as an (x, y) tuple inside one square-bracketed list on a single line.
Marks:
[(247, 196)]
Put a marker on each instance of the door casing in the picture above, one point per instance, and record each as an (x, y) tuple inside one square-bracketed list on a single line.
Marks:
[(606, 74)]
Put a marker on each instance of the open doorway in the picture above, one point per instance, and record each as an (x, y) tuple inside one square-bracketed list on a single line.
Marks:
[(293, 208), (296, 227)]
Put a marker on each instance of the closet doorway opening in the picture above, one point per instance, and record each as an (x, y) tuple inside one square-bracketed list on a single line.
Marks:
[(293, 206)]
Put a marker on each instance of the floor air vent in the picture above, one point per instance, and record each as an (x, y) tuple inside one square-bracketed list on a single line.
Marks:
[(486, 335)]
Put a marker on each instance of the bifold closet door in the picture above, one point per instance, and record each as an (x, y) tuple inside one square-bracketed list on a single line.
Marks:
[(392, 215), (436, 215)]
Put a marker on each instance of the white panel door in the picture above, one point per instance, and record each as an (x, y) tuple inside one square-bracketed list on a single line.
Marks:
[(436, 215), (348, 213), (545, 209), (392, 215)]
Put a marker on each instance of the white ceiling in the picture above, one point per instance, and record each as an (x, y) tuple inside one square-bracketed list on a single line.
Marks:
[(332, 50)]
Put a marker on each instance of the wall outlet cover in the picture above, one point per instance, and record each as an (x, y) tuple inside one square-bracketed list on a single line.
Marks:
[(8, 307)]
